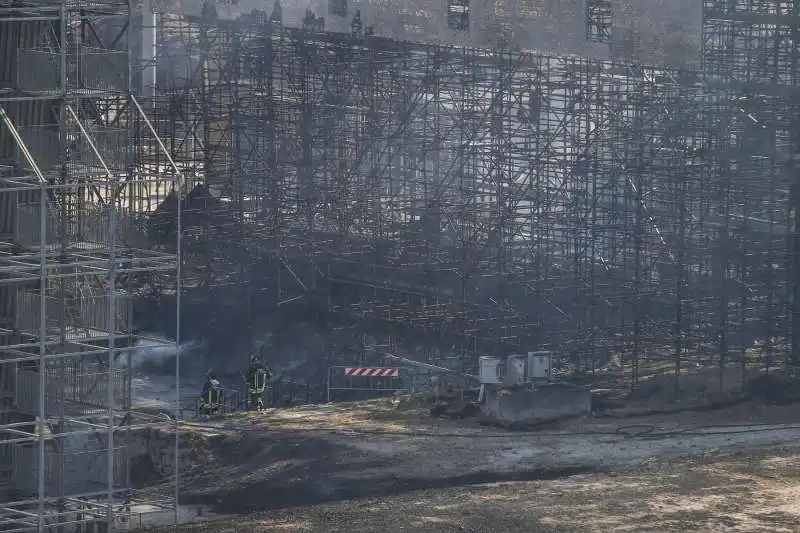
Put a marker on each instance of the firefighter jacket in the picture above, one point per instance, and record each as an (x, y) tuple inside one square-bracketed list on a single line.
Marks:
[(211, 392), (256, 378)]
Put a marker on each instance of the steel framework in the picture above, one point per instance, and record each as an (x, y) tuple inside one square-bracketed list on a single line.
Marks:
[(478, 199), (77, 177), (497, 199)]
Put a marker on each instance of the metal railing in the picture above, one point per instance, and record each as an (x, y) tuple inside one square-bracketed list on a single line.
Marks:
[(86, 316), (90, 230), (229, 401), (280, 393), (88, 68)]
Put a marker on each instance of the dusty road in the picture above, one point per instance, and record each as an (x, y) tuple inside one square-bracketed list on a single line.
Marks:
[(361, 470)]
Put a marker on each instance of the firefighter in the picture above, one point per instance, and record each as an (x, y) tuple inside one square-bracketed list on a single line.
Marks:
[(211, 396), (256, 379)]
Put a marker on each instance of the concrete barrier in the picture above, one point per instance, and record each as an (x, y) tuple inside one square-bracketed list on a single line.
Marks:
[(528, 405)]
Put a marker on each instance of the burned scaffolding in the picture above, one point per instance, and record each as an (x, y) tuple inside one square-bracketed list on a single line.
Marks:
[(486, 197), (77, 177)]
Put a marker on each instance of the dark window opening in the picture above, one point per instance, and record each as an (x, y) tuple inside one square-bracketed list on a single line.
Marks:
[(458, 15), (598, 21), (337, 8)]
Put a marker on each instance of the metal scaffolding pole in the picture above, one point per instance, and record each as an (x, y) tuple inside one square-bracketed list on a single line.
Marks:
[(794, 170), (76, 182), (495, 199)]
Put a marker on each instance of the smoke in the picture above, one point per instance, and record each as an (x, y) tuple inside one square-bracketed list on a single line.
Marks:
[(158, 358)]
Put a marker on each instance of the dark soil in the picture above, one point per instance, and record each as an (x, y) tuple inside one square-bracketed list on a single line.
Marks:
[(283, 471)]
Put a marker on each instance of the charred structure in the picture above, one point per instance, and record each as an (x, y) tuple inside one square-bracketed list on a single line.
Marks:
[(471, 178), (490, 198)]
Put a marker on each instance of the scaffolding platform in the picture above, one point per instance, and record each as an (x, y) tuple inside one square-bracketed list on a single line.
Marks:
[(79, 260), (73, 389), (76, 192), (129, 509)]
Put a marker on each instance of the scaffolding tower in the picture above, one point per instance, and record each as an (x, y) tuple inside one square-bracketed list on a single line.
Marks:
[(497, 199), (76, 181)]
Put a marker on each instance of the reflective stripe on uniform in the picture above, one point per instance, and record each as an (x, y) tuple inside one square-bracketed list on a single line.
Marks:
[(258, 382)]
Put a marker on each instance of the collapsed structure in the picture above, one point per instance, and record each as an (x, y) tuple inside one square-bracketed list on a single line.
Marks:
[(479, 178)]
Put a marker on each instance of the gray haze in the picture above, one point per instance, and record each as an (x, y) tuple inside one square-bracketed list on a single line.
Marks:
[(652, 32)]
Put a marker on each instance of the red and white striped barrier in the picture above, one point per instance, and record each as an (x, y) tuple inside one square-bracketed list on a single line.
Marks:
[(373, 372)]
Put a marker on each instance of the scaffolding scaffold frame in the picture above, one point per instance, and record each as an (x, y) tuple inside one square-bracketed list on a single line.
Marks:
[(76, 190), (496, 200)]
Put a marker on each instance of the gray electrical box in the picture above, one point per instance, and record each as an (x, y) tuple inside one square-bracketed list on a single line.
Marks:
[(516, 371), (539, 366)]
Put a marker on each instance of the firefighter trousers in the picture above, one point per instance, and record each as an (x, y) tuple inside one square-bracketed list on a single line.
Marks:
[(254, 400)]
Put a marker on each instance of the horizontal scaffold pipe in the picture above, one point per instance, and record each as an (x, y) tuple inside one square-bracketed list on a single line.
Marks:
[(431, 367)]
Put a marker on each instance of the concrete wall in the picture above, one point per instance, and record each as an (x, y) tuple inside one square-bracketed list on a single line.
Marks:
[(532, 405)]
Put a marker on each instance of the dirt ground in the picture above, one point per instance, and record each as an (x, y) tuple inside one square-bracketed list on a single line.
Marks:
[(386, 467), (743, 494)]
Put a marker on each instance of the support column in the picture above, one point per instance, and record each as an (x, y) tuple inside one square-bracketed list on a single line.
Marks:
[(794, 194)]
